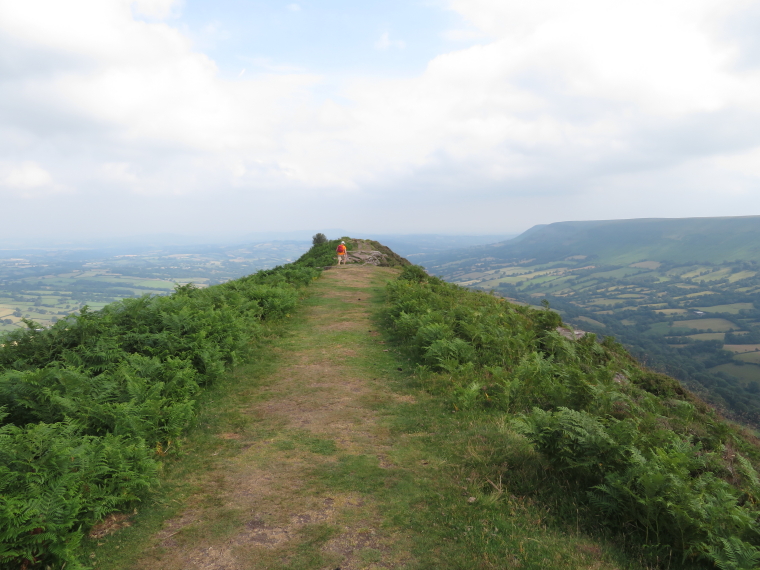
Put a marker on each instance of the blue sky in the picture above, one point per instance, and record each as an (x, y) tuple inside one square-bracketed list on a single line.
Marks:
[(326, 37), (126, 117)]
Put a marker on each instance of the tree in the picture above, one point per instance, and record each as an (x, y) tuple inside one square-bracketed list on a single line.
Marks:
[(319, 239)]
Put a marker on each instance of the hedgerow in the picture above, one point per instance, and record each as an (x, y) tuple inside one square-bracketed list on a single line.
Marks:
[(642, 454), (89, 406)]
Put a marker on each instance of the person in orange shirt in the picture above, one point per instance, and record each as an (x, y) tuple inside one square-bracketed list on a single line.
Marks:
[(342, 253)]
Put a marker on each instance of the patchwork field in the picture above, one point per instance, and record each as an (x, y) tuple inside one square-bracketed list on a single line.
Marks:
[(733, 308), (675, 317), (44, 287)]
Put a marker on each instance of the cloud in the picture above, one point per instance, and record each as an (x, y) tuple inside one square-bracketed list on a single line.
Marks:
[(159, 9), (27, 175), (293, 8), (559, 103), (26, 180), (385, 42), (463, 35)]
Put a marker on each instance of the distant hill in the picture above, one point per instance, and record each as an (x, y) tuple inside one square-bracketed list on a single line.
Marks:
[(621, 242), (683, 295)]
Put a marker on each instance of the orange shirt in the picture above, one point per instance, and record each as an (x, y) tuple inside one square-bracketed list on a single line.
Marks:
[(341, 249)]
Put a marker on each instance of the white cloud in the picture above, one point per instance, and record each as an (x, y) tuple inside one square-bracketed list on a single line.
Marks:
[(463, 35), (159, 9), (562, 98), (745, 163), (26, 175), (293, 8), (385, 42), (666, 56)]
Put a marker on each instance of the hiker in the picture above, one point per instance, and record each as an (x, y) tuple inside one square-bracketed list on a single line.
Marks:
[(342, 253)]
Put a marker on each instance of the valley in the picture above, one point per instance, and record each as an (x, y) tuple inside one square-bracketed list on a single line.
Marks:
[(696, 320), (46, 285)]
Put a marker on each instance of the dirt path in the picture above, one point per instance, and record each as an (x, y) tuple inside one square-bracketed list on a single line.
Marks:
[(293, 498)]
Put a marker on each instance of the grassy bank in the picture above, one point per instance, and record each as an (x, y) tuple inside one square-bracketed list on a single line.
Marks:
[(90, 406), (603, 443)]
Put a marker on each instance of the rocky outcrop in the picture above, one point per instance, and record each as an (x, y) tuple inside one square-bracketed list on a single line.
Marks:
[(370, 252), (370, 257), (571, 334)]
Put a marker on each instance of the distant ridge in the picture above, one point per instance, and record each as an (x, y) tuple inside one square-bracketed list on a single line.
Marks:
[(629, 241)]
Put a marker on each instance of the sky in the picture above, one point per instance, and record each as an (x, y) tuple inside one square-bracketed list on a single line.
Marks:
[(226, 117)]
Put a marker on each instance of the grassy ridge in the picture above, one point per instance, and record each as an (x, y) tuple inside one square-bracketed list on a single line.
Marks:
[(627, 446), (619, 243), (89, 406)]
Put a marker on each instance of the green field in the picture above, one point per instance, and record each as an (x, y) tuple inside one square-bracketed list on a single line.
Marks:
[(748, 372), (708, 336), (666, 329), (642, 305), (591, 321), (49, 298), (749, 357), (716, 325), (733, 308), (739, 348), (673, 312), (45, 286)]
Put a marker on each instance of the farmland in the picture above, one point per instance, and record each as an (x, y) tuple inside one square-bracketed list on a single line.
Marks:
[(45, 286), (688, 319)]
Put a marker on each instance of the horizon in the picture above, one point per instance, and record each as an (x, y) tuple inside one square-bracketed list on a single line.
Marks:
[(168, 239)]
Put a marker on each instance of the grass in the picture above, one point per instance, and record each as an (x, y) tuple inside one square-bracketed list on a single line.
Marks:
[(733, 308), (739, 348), (672, 311), (381, 470), (665, 329), (748, 372), (717, 325), (591, 321), (647, 264), (751, 358), (708, 336)]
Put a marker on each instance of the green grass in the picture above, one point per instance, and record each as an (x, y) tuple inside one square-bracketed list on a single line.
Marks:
[(739, 348), (750, 357), (665, 329), (733, 308), (748, 372), (708, 336), (591, 321), (199, 451), (445, 491), (717, 325)]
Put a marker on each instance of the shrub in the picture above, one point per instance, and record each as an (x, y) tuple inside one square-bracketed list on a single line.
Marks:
[(90, 404), (643, 453)]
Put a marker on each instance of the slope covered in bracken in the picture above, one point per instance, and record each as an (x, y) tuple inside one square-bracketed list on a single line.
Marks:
[(627, 446), (406, 423), (89, 406)]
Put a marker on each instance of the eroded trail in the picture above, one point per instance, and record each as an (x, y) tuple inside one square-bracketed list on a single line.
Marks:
[(290, 495)]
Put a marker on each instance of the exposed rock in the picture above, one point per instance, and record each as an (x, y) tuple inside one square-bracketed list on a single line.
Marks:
[(370, 252), (370, 257), (571, 334)]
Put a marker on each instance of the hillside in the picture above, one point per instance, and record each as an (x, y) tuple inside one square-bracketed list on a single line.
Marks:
[(621, 242), (365, 417), (647, 283)]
